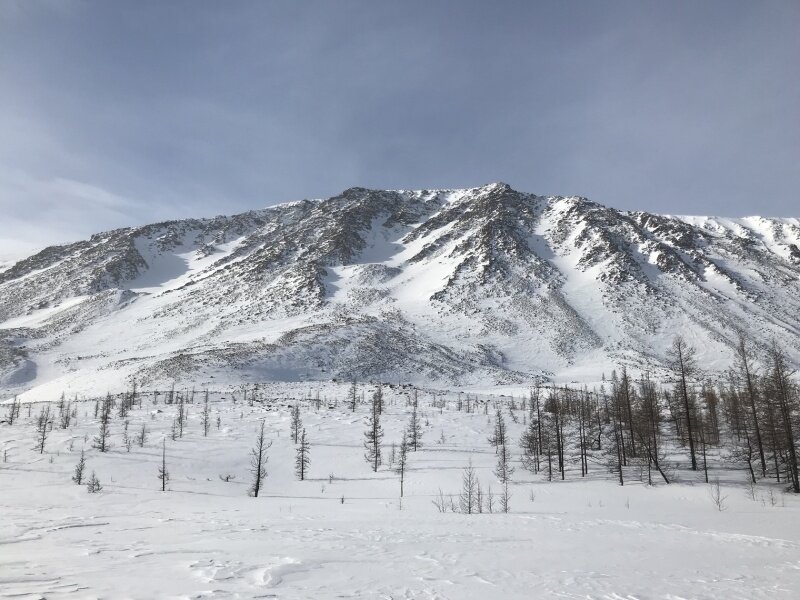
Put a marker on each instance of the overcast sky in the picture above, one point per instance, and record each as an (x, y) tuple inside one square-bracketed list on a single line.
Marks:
[(117, 113)]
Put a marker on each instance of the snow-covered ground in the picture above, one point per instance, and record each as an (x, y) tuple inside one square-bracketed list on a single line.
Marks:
[(343, 532)]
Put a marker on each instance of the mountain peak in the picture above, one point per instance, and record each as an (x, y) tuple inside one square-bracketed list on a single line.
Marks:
[(497, 186)]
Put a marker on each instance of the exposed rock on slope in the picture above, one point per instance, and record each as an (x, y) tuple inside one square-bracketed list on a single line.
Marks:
[(472, 287)]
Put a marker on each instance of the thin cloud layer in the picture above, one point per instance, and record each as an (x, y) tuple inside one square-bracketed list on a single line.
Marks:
[(113, 114)]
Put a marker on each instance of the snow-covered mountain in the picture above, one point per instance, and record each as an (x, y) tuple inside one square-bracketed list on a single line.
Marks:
[(475, 287)]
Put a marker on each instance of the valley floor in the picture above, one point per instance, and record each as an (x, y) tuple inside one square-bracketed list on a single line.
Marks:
[(343, 533)]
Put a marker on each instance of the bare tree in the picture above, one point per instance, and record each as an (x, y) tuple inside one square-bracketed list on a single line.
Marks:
[(101, 440), (503, 472), (353, 395), (682, 360), (529, 443), (377, 396), (65, 416), (373, 437), (297, 423), (499, 436), (43, 425), (747, 374), (626, 399), (479, 497), (13, 412), (127, 440), (181, 417), (402, 462), (141, 439), (552, 423), (414, 430), (303, 457), (717, 497), (647, 427), (122, 408), (615, 433), (469, 482), (163, 474), (258, 461), (547, 428), (555, 408), (440, 502), (583, 412), (743, 451), (206, 416), (785, 394)]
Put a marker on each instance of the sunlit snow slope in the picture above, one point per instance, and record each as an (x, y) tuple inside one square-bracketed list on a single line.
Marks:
[(477, 287)]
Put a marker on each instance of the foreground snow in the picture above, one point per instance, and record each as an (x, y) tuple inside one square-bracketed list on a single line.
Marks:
[(343, 533)]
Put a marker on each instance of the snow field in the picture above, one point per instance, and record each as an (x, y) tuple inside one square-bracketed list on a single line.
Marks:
[(343, 533)]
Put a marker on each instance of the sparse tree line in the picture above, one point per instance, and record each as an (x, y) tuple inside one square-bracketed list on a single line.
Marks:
[(64, 415), (749, 417), (119, 407), (410, 440)]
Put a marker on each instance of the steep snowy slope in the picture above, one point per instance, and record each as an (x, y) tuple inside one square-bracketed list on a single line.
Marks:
[(476, 287)]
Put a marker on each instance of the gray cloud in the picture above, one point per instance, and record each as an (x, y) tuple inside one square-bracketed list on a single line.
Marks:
[(117, 113)]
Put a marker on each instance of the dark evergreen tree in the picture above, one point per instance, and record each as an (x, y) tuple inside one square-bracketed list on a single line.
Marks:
[(93, 486), (77, 477)]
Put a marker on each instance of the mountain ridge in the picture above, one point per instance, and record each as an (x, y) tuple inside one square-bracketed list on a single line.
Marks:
[(458, 287)]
